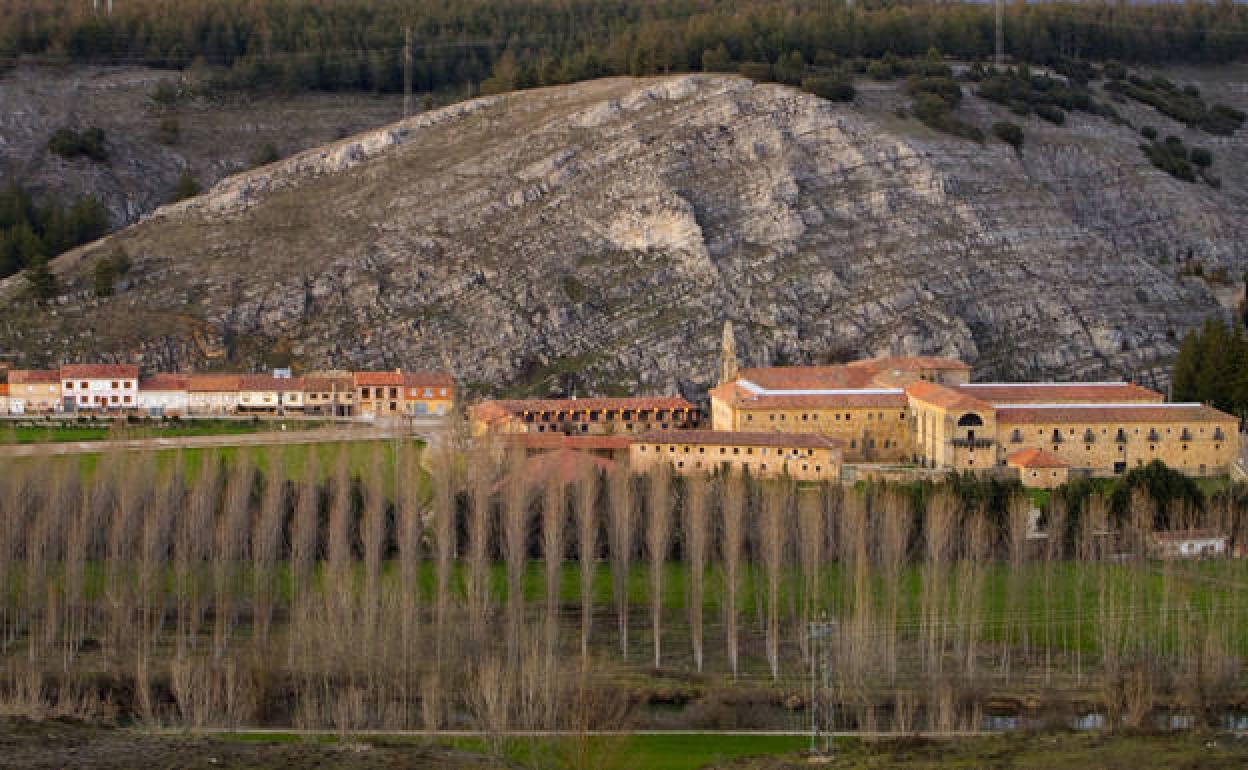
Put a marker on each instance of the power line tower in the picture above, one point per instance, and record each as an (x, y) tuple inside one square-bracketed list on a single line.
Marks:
[(1000, 36), (407, 71)]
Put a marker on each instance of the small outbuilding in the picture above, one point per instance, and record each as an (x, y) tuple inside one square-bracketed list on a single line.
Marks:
[(1038, 468)]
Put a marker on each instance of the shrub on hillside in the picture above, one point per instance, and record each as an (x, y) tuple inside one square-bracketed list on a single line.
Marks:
[(69, 143), (1010, 133), (831, 87)]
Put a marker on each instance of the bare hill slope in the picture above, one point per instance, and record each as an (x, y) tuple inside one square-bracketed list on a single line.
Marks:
[(609, 228)]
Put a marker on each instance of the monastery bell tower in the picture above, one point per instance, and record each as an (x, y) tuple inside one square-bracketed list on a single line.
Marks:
[(728, 355)]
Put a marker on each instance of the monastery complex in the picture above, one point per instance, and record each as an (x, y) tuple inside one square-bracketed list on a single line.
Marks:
[(890, 417)]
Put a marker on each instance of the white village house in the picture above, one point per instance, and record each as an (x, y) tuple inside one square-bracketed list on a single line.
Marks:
[(99, 387), (165, 394)]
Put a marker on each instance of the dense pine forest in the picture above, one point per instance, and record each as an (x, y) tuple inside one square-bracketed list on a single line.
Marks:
[(465, 45)]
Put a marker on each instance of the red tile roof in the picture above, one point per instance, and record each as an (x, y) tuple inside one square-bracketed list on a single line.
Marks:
[(1034, 458), (491, 409), (427, 380), (213, 383), (546, 441), (1066, 413), (564, 465), (4, 388), (319, 384), (165, 382), (738, 438), (370, 379), (267, 382), (910, 364), (946, 397), (99, 371), (743, 398), (34, 377), (1060, 392), (808, 377)]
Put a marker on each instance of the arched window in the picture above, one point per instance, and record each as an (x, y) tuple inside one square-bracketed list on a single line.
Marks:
[(970, 420)]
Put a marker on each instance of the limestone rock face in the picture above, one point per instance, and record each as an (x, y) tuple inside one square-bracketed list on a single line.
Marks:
[(608, 229)]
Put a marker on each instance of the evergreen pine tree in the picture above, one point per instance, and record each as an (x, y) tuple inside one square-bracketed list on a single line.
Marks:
[(1183, 381)]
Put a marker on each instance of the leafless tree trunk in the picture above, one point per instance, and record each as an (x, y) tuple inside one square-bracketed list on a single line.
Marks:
[(586, 497), (697, 546), (515, 519), (732, 506), (554, 519), (774, 539), (266, 540), (623, 518), (658, 542)]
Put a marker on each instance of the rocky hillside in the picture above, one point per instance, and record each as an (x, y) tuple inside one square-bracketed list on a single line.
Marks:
[(210, 137), (602, 232)]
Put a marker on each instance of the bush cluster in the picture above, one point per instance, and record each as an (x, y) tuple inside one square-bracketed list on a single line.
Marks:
[(935, 98), (1173, 157), (1182, 104), (89, 143), (1049, 98)]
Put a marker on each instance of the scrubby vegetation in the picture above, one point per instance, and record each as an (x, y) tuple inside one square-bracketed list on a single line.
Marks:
[(1182, 104), (935, 98), (1010, 133), (1049, 98), (88, 143), (108, 270)]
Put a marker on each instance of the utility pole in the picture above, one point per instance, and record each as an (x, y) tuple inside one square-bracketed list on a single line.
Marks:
[(1000, 47), (407, 71)]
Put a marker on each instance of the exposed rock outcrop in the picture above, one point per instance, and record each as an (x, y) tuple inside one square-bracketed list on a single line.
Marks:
[(609, 228)]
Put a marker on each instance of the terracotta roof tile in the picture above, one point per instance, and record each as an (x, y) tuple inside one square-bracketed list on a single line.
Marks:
[(261, 382), (1034, 458), (808, 377), (519, 406), (579, 442), (1060, 392), (99, 371), (369, 379), (946, 397), (427, 380), (738, 438), (910, 363), (164, 382), (213, 383), (34, 377), (319, 384), (742, 398), (1081, 413)]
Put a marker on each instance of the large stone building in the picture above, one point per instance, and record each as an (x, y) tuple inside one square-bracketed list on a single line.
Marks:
[(584, 415), (762, 454), (925, 411), (863, 404)]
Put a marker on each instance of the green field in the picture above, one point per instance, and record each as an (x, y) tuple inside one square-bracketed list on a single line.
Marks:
[(32, 432)]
